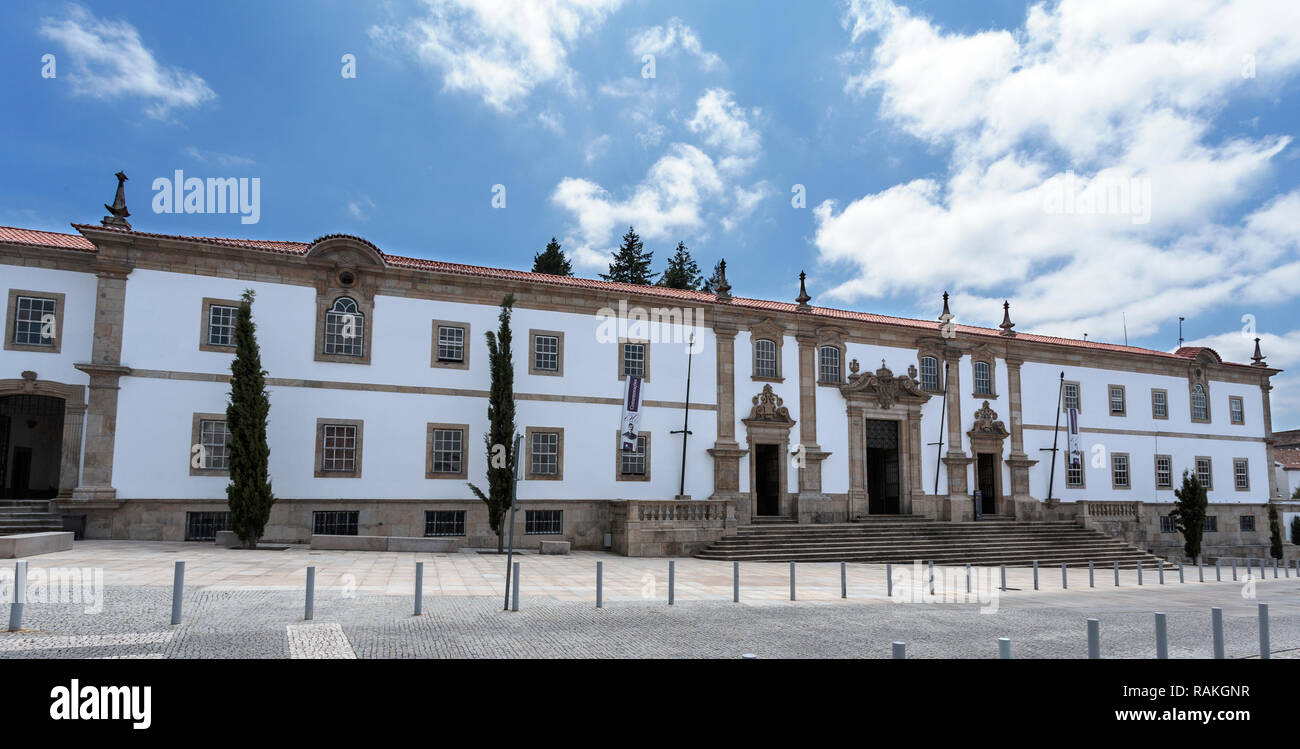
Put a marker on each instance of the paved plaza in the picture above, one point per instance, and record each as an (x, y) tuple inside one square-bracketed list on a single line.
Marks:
[(241, 603)]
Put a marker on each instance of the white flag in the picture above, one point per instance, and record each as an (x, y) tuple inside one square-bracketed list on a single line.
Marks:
[(1076, 448), (631, 413)]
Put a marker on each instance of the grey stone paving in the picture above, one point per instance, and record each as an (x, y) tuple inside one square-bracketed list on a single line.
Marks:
[(222, 623)]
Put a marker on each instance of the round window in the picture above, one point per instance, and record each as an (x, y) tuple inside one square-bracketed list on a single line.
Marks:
[(347, 278)]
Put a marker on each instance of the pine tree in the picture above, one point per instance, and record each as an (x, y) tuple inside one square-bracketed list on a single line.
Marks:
[(682, 271), (711, 283), (631, 263), (1189, 513), (249, 492), (500, 439), (551, 260), (1275, 532)]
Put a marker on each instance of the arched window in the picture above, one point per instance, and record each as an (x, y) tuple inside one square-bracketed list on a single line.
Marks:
[(983, 378), (929, 373), (830, 364), (1200, 406), (345, 328), (765, 358)]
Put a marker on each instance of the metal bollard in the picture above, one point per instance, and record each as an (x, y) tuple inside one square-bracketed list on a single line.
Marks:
[(1200, 568), (1004, 577), (1234, 569), (1035, 574), (514, 593), (1216, 628), (1065, 582), (419, 588), (1139, 573), (20, 597), (1218, 570), (310, 609), (1004, 648), (844, 580), (1274, 568), (889, 580), (792, 581), (1091, 579), (1263, 631), (931, 577), (735, 582), (178, 592), (900, 650), (1180, 571), (1116, 574), (968, 577), (672, 583), (1162, 572), (1094, 639), (600, 584), (1162, 636)]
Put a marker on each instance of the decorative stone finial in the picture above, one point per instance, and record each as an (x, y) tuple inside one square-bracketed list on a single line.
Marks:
[(853, 366), (945, 315), (803, 297), (117, 211), (723, 290), (1007, 325), (1258, 359)]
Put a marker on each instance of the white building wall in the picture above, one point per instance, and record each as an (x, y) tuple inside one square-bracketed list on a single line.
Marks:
[(78, 323)]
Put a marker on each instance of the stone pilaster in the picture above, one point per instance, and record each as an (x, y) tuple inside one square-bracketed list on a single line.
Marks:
[(105, 369), (857, 461), (74, 416), (1018, 462), (813, 505), (726, 452), (956, 459), (1274, 493)]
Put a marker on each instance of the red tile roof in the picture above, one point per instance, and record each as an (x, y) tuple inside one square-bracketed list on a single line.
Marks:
[(12, 235), (1289, 458)]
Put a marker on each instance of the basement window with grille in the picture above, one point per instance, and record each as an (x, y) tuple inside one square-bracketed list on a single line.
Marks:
[(203, 526), (334, 522)]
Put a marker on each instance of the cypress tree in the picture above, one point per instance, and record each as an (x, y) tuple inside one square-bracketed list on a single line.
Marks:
[(711, 283), (1274, 532), (551, 260), (1189, 513), (682, 271), (631, 263), (500, 438), (249, 492), (1295, 530)]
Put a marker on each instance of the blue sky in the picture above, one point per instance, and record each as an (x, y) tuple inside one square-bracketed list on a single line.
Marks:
[(936, 144)]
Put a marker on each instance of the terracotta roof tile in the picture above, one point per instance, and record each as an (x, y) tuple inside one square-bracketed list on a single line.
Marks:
[(1289, 458), (74, 241)]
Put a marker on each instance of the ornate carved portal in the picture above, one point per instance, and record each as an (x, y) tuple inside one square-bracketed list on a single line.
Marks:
[(883, 396), (768, 434), (986, 440)]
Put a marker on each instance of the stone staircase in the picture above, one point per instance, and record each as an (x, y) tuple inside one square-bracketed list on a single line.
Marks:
[(905, 539), (28, 516)]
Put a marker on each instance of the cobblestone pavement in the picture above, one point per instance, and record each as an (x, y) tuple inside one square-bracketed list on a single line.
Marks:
[(250, 604)]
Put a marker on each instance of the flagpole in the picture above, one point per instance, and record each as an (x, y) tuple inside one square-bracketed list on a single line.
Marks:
[(686, 414), (1051, 474), (943, 412)]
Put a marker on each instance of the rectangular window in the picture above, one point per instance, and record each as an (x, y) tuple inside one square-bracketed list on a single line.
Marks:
[(1205, 472), (221, 325), (1211, 523), (1117, 400), (451, 344), (34, 322), (765, 359), (633, 463), (1241, 474), (1070, 396), (338, 448), (543, 522), (334, 522), (545, 453), (546, 353), (214, 438), (1073, 473), (1164, 472), (1119, 470), (829, 368), (1159, 404), (345, 330), (203, 526), (634, 360), (930, 372), (1248, 523), (448, 451), (983, 378), (444, 523), (1167, 524), (1237, 410)]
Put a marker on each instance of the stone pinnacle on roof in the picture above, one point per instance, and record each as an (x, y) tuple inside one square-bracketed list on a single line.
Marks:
[(803, 297), (723, 290), (117, 211), (945, 315), (1007, 325), (1258, 359)]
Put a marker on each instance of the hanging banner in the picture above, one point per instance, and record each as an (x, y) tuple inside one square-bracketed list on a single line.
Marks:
[(631, 413), (1076, 448)]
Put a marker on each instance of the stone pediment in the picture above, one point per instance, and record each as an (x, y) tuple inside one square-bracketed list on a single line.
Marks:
[(768, 408), (883, 387), (346, 250), (987, 424)]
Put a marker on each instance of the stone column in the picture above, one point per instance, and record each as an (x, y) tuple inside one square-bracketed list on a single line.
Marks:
[(726, 451), (813, 506), (959, 501), (1274, 493), (1018, 462), (74, 415), (857, 462), (105, 368)]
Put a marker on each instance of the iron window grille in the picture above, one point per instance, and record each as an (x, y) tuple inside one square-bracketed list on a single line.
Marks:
[(334, 522), (29, 320), (543, 522), (203, 526), (1211, 523), (345, 328), (1167, 524), (444, 523), (1248, 523)]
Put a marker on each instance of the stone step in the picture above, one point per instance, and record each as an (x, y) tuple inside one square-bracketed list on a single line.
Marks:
[(1102, 561)]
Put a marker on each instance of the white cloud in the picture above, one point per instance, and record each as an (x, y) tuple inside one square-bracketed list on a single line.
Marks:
[(724, 126), (598, 147), (1117, 96), (360, 207), (109, 61), (552, 120), (663, 40), (218, 158), (499, 50)]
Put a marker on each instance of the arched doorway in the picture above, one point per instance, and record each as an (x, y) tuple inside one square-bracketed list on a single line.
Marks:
[(31, 446)]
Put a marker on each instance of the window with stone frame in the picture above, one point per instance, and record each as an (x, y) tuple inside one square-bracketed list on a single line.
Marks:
[(1241, 474), (338, 448), (1159, 403), (765, 358), (930, 373), (1205, 472), (1070, 396), (1237, 410), (828, 361), (1200, 404), (1211, 524), (1248, 523), (444, 522), (546, 352), (445, 446), (543, 522), (545, 453), (1119, 471), (221, 319), (634, 359), (1167, 524), (1073, 473), (451, 344), (1118, 407), (983, 377), (214, 438), (1164, 472), (34, 321), (634, 464), (345, 328)]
